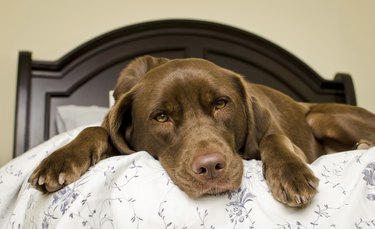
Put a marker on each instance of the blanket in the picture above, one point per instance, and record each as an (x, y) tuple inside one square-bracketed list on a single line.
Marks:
[(134, 191)]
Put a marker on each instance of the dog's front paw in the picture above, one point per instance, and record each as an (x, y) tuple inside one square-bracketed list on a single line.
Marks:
[(292, 184), (60, 169)]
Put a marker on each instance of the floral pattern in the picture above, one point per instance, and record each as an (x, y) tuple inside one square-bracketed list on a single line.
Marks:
[(135, 192), (369, 177), (237, 210)]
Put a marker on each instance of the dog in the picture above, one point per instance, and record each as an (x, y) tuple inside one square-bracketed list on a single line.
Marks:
[(201, 120)]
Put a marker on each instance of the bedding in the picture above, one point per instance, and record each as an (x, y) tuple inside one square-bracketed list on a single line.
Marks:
[(134, 191)]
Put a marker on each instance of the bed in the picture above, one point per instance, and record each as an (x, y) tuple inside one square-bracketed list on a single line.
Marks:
[(56, 99)]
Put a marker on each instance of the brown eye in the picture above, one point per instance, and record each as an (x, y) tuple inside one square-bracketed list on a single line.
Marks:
[(220, 103), (162, 117)]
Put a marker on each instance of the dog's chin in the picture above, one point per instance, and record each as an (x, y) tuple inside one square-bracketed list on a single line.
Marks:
[(210, 188), (218, 191)]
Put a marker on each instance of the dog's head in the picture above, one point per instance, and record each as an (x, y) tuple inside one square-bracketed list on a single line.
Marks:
[(195, 117)]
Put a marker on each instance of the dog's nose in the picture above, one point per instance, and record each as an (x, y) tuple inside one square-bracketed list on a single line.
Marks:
[(209, 166)]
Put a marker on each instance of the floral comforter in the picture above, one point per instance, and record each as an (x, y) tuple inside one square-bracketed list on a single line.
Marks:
[(135, 192)]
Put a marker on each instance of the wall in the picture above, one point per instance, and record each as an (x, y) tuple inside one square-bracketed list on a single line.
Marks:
[(330, 36)]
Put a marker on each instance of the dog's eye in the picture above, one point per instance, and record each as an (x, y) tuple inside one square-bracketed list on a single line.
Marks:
[(220, 103), (161, 117)]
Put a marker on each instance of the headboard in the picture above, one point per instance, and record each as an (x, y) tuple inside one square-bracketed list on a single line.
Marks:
[(85, 75)]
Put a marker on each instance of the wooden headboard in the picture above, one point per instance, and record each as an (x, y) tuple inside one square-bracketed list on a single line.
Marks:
[(85, 75)]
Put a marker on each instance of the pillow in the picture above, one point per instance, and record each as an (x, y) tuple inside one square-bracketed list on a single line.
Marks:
[(70, 117)]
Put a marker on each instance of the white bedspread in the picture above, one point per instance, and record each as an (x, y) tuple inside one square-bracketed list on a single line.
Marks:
[(135, 192)]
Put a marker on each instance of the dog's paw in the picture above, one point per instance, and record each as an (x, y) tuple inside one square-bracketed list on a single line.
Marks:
[(59, 169), (292, 184)]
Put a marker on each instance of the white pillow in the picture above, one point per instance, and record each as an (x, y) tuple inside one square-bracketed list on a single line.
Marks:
[(70, 117)]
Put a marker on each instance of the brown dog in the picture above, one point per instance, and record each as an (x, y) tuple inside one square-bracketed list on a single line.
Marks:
[(200, 121)]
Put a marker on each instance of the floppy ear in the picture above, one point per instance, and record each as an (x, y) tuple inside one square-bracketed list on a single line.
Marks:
[(118, 121), (259, 121), (130, 76)]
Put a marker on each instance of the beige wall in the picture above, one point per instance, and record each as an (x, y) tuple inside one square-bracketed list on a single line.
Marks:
[(329, 35)]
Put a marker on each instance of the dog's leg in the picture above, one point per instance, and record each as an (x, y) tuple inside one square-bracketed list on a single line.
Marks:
[(342, 127), (68, 163), (284, 166)]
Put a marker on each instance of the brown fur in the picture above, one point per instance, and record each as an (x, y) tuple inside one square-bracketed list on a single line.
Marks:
[(201, 120)]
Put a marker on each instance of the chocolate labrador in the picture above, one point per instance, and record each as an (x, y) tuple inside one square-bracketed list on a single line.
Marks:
[(200, 121)]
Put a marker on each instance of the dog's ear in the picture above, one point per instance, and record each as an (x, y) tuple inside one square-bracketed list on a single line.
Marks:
[(259, 120), (118, 121), (134, 72), (256, 121)]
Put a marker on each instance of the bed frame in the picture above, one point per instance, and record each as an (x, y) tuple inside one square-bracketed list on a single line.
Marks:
[(85, 75)]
